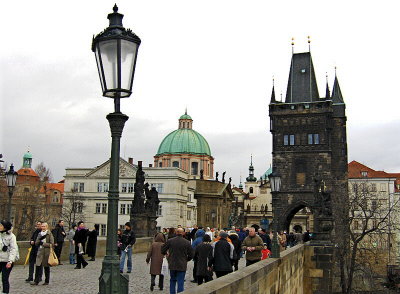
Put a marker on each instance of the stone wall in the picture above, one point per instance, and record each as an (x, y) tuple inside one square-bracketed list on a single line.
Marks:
[(269, 276), (141, 245)]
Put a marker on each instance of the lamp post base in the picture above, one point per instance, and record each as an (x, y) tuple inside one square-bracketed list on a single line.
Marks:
[(111, 281)]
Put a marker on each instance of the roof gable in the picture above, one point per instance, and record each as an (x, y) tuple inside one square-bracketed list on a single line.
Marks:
[(126, 170)]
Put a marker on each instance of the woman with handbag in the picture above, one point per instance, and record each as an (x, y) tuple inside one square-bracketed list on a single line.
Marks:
[(8, 254), (156, 258), (45, 241)]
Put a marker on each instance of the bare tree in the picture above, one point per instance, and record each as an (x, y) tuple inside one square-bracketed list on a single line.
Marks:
[(363, 234), (44, 173), (73, 208)]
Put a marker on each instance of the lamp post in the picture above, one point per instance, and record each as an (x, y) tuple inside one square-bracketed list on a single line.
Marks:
[(116, 50), (11, 178), (275, 182)]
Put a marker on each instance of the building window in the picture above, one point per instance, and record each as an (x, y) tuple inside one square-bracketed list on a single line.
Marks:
[(313, 139), (26, 189), (189, 197), (159, 187), (54, 222), (55, 199), (122, 227), (124, 188), (98, 207), (374, 205), (288, 140), (102, 187), (79, 187), (128, 209), (195, 167), (159, 210), (122, 209), (181, 212), (355, 225), (160, 164), (130, 187), (364, 174), (104, 208), (373, 187), (175, 164), (251, 190), (189, 214), (103, 230), (78, 207), (383, 188), (207, 217)]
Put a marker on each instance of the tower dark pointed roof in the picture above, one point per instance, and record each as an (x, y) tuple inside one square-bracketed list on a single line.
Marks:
[(337, 97), (302, 84), (273, 95), (327, 91)]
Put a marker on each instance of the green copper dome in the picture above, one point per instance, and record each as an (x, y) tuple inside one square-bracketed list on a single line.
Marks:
[(27, 155), (184, 141), (185, 116)]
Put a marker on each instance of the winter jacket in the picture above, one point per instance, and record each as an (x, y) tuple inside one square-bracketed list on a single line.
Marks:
[(92, 243), (34, 250), (11, 254), (58, 234), (253, 241), (199, 238), (128, 238), (155, 256), (237, 244), (180, 252), (267, 240), (44, 243), (80, 238), (203, 255), (222, 256), (70, 238)]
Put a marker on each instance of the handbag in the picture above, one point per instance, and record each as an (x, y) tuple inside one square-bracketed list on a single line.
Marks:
[(164, 267), (53, 260)]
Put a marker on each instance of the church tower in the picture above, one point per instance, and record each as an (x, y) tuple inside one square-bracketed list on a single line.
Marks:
[(309, 147)]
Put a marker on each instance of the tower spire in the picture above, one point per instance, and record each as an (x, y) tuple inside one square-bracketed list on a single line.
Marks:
[(251, 177), (337, 96), (273, 91), (327, 92)]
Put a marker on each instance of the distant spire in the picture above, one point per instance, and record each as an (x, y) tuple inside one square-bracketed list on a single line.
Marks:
[(273, 91), (186, 110), (337, 96), (251, 177), (281, 96), (327, 93), (251, 160), (292, 45), (309, 43)]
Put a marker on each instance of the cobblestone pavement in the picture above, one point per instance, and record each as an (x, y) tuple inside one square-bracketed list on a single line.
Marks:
[(64, 279)]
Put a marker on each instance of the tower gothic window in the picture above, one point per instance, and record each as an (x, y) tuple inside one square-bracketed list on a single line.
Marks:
[(175, 164), (313, 139), (288, 140)]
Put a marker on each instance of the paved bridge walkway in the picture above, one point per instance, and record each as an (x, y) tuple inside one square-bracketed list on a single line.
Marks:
[(65, 279)]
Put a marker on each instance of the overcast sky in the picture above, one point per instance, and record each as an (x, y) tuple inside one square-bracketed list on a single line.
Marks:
[(217, 58)]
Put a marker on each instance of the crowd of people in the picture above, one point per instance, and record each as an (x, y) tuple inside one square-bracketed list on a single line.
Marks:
[(212, 251)]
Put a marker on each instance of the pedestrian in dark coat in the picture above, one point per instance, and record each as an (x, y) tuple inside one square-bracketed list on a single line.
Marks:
[(199, 238), (128, 239), (237, 244), (92, 243), (34, 250), (45, 241), (80, 239), (59, 236), (222, 256), (202, 256), (156, 257), (179, 253)]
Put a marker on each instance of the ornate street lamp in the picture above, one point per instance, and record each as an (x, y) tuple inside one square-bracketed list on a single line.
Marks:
[(11, 178), (116, 50), (275, 182)]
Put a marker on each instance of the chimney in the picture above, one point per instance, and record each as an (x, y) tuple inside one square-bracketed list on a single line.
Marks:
[(150, 165), (130, 160)]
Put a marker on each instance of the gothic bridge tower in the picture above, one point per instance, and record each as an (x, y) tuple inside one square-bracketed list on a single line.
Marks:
[(309, 148)]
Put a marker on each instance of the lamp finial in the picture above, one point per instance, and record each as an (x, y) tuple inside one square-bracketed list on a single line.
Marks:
[(115, 8)]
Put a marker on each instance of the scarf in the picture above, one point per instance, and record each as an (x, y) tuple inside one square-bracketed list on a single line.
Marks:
[(41, 235)]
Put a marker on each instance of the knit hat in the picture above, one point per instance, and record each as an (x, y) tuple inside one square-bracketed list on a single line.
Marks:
[(128, 224), (223, 235), (7, 225)]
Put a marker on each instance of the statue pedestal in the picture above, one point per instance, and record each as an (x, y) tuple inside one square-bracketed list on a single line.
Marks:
[(139, 224)]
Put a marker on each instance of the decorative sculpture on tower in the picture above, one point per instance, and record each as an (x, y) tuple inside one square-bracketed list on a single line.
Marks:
[(144, 206)]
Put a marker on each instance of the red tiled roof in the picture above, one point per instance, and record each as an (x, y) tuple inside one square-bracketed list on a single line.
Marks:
[(356, 169), (27, 172), (53, 186)]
